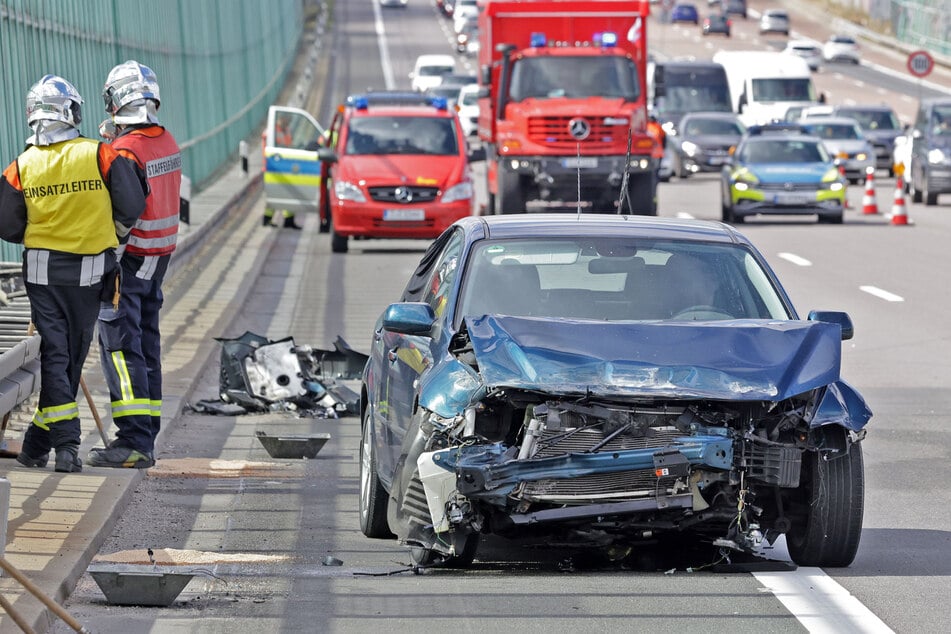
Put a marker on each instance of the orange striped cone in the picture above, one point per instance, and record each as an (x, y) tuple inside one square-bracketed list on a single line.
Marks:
[(869, 206), (899, 214)]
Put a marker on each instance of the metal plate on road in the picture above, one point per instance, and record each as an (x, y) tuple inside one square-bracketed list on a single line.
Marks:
[(920, 63)]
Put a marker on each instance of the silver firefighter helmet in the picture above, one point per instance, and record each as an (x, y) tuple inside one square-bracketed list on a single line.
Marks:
[(53, 98), (127, 83)]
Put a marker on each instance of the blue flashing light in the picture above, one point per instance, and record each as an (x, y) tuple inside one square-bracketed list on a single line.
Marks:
[(361, 103), (439, 103), (608, 38), (538, 40)]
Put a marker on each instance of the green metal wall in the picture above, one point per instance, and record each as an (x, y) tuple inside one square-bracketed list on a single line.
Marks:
[(220, 64)]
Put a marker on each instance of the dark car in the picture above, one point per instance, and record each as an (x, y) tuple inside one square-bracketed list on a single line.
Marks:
[(685, 12), (930, 171), (716, 23), (702, 142), (609, 382), (779, 170), (734, 7), (881, 127)]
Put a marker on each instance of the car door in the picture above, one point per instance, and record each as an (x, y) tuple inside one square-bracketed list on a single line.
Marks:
[(292, 166), (407, 357)]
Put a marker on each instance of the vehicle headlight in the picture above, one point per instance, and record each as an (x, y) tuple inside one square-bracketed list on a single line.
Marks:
[(346, 190), (745, 179), (861, 156), (832, 176), (461, 191), (936, 156), (689, 148)]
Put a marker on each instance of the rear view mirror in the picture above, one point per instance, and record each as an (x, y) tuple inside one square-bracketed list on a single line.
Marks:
[(476, 154), (834, 317)]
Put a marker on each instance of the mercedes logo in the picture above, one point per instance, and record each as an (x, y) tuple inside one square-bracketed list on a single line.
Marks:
[(579, 128), (403, 194)]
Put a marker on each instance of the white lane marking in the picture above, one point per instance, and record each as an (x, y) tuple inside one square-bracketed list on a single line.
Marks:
[(819, 603), (882, 294), (384, 48), (795, 259)]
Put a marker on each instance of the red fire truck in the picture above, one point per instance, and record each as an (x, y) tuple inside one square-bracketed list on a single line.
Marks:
[(562, 110)]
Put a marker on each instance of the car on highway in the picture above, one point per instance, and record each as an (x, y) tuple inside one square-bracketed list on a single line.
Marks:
[(394, 3), (878, 122), (702, 142), (607, 383), (685, 12), (929, 171), (716, 23), (399, 168), (842, 48), (429, 70), (734, 7), (808, 50), (845, 142), (779, 170), (774, 21), (468, 104)]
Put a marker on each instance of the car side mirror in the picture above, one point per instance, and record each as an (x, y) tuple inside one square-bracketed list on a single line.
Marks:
[(476, 154), (409, 318), (326, 155), (834, 317)]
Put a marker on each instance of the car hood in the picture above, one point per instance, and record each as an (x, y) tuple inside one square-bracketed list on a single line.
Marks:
[(724, 360), (845, 145), (881, 135), (401, 169), (790, 172), (714, 140)]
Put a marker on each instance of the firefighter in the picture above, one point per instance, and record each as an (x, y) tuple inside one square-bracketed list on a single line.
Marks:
[(129, 339), (69, 200)]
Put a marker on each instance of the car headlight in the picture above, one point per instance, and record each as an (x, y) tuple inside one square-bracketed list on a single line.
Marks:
[(689, 148), (936, 156), (745, 179), (346, 190), (861, 156), (461, 191), (832, 175)]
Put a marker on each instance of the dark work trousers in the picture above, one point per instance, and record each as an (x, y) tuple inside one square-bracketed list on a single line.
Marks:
[(130, 348), (65, 318)]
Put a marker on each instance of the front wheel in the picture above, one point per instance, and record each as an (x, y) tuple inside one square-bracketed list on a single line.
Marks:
[(828, 526), (373, 497), (510, 198), (338, 243)]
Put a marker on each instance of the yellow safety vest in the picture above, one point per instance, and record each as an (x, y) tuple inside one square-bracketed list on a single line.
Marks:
[(68, 206)]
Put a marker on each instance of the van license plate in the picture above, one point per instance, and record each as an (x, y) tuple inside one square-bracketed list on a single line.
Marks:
[(793, 199), (404, 214)]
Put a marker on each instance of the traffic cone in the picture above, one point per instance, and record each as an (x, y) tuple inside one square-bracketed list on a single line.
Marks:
[(869, 206), (899, 215)]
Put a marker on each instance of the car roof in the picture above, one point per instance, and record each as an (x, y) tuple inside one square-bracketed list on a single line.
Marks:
[(598, 225), (397, 103), (828, 120), (729, 116), (435, 60)]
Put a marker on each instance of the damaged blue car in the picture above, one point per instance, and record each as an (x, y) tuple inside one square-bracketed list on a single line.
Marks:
[(607, 380)]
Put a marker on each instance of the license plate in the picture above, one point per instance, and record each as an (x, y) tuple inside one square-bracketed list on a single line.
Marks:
[(404, 214), (718, 160), (793, 199), (582, 162)]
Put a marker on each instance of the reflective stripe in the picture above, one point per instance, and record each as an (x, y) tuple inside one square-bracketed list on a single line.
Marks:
[(122, 371), (91, 269), (149, 265), (43, 418), (156, 407), (132, 407), (37, 267), (160, 223), (152, 243)]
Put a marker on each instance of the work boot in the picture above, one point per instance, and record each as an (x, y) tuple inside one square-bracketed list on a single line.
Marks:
[(267, 221), (29, 461), (290, 224), (67, 460), (119, 458)]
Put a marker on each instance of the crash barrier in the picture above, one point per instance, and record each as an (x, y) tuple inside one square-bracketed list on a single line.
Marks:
[(19, 354)]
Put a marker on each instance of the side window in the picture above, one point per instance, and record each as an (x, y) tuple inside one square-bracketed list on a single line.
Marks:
[(439, 286)]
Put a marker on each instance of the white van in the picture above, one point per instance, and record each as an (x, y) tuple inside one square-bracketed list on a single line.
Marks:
[(430, 69), (763, 85)]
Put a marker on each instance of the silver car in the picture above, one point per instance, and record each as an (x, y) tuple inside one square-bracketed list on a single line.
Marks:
[(774, 21), (844, 140)]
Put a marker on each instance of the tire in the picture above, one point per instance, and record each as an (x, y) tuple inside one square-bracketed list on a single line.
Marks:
[(373, 497), (338, 243), (931, 199), (726, 213), (828, 530), (642, 192), (510, 198), (831, 220), (430, 558)]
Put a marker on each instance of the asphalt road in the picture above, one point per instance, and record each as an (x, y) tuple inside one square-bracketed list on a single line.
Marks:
[(281, 526)]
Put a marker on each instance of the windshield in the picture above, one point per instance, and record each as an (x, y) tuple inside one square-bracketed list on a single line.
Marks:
[(833, 131), (873, 119), (783, 89), (783, 151), (693, 90), (401, 135), (435, 71), (696, 126), (614, 279), (573, 77)]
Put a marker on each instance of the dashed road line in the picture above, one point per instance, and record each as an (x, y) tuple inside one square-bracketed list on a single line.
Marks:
[(882, 294), (795, 259)]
